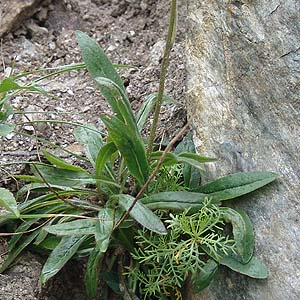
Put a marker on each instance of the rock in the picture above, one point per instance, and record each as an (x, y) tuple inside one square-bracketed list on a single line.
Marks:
[(244, 100), (157, 52), (14, 12)]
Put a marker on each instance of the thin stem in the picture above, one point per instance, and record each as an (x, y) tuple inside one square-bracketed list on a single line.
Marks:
[(153, 174), (163, 73)]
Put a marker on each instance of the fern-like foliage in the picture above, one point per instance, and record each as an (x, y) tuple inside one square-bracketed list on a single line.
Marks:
[(166, 261)]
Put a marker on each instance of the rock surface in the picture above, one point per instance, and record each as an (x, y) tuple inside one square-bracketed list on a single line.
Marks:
[(14, 12), (243, 91)]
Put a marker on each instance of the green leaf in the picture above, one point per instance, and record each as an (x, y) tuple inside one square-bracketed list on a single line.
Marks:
[(6, 129), (176, 201), (236, 185), (8, 85), (254, 268), (50, 243), (96, 60), (147, 107), (17, 250), (242, 232), (62, 177), (121, 104), (73, 228), (194, 156), (104, 228), (170, 158), (103, 156), (98, 66), (112, 280), (91, 139), (23, 227), (130, 146), (202, 279), (63, 252), (58, 162), (92, 273), (142, 214), (8, 201), (191, 175)]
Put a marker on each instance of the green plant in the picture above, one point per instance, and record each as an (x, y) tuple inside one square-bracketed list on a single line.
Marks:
[(113, 211)]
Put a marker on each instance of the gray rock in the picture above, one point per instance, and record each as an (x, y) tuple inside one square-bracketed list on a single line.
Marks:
[(14, 12), (243, 98)]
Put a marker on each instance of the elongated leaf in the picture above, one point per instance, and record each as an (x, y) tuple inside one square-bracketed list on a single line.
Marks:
[(6, 129), (17, 250), (170, 158), (176, 201), (242, 232), (91, 139), (195, 157), (104, 228), (148, 106), (23, 227), (99, 65), (191, 159), (130, 146), (8, 201), (142, 214), (92, 273), (254, 268), (73, 228), (191, 175), (236, 185), (63, 252), (58, 162), (59, 176), (112, 280), (50, 243), (103, 156), (8, 85), (202, 279), (122, 103), (96, 60)]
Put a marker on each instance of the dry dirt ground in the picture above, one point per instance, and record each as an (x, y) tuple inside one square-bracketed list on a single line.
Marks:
[(131, 32)]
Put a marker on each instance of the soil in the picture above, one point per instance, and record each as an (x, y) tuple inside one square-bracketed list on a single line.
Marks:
[(131, 32)]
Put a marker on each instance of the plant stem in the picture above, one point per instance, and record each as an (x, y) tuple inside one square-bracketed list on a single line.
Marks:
[(163, 73), (153, 174)]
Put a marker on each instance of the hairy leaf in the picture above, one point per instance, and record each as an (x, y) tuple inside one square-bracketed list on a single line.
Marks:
[(98, 66), (8, 201), (73, 228), (254, 268), (104, 228), (91, 139), (236, 185), (92, 273), (176, 201), (58, 162), (142, 214), (242, 232), (147, 107), (202, 279), (62, 253), (130, 146), (6, 129), (191, 175)]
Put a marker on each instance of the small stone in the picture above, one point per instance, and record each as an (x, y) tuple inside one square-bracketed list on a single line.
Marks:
[(157, 52)]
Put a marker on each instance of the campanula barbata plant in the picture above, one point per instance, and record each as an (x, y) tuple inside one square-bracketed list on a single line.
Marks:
[(139, 215)]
